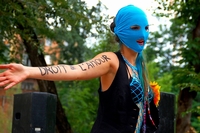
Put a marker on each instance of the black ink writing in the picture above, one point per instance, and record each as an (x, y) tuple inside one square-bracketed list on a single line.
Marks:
[(94, 63), (90, 65), (51, 70), (105, 57), (83, 69), (63, 68), (72, 67)]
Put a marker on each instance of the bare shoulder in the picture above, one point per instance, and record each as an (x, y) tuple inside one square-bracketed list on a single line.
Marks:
[(110, 57), (110, 70)]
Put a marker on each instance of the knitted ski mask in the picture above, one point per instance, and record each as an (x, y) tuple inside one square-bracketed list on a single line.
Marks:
[(127, 17)]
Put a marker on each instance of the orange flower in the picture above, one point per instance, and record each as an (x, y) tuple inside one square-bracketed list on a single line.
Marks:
[(156, 90)]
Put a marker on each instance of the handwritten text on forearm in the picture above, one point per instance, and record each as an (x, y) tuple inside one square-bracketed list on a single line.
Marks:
[(84, 66)]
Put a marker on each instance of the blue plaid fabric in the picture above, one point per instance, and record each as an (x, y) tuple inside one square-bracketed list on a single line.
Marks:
[(135, 85), (137, 92)]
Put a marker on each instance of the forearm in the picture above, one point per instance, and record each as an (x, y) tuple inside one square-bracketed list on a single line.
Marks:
[(54, 73), (96, 67)]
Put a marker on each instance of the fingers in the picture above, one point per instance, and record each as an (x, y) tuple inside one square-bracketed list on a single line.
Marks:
[(9, 86), (6, 84), (2, 78), (5, 66), (3, 82)]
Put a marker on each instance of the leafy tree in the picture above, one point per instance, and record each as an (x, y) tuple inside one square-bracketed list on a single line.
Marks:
[(181, 53), (80, 101), (25, 23)]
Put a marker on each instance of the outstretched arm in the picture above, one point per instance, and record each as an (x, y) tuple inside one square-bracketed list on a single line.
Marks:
[(96, 67)]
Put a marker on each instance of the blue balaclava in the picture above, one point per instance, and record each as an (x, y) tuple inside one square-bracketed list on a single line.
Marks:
[(131, 16)]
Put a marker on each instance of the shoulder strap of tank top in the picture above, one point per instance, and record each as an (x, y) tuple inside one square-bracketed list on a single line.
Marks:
[(122, 60)]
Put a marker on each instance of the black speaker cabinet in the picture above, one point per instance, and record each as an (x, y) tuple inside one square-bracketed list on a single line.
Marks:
[(34, 113), (166, 113)]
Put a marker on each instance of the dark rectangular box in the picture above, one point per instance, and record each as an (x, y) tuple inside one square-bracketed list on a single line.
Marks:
[(34, 113)]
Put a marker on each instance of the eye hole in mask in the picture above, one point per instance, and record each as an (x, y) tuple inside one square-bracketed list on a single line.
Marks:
[(135, 27), (147, 28)]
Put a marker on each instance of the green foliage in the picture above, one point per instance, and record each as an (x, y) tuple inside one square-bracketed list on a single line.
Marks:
[(61, 21), (164, 80), (181, 37), (178, 49), (80, 101), (186, 78), (178, 40), (4, 51), (196, 113), (160, 50), (153, 70), (106, 43), (81, 108), (75, 51), (195, 110)]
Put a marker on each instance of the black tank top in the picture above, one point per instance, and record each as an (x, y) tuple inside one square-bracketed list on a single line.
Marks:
[(117, 113)]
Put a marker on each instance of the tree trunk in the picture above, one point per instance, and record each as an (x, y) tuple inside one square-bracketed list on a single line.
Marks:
[(62, 124), (196, 34), (37, 59), (186, 96), (32, 44), (184, 103)]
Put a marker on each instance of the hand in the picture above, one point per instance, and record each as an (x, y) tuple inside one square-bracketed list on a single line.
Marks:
[(14, 74)]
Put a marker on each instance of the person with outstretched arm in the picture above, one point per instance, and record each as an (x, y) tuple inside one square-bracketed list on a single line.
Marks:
[(126, 102)]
